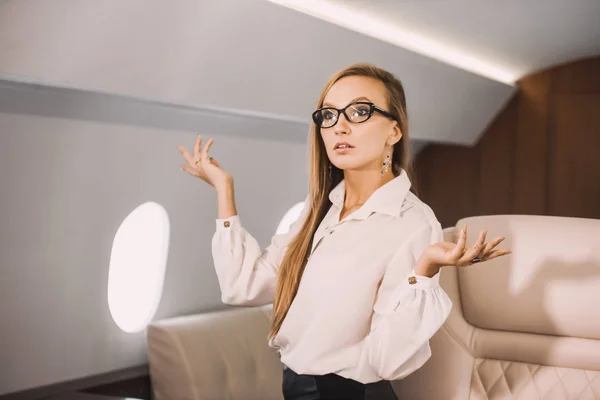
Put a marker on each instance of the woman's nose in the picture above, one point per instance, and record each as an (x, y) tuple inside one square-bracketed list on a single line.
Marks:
[(342, 126)]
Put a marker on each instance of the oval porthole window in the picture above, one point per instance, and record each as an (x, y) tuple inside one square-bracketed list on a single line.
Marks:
[(137, 266), (289, 218)]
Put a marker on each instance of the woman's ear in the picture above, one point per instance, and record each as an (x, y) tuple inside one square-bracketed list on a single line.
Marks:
[(396, 136)]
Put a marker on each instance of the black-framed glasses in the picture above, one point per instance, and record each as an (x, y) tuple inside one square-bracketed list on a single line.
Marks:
[(361, 111)]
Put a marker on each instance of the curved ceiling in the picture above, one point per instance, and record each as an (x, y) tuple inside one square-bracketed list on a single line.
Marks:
[(256, 59), (504, 41)]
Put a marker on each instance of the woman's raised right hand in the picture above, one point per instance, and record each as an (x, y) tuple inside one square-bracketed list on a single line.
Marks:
[(202, 166)]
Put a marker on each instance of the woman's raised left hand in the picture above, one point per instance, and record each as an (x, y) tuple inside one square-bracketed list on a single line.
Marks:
[(457, 254)]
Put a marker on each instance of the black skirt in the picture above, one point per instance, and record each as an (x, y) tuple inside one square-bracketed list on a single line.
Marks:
[(332, 387)]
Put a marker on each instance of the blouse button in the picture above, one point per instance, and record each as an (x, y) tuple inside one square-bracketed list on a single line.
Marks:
[(226, 224), (412, 280)]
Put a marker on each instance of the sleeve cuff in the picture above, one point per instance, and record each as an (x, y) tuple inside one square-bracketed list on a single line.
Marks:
[(423, 282), (225, 224)]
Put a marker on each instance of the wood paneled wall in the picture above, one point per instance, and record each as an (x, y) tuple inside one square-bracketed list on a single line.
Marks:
[(541, 155)]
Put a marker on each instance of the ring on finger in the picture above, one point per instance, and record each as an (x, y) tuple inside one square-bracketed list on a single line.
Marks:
[(475, 260)]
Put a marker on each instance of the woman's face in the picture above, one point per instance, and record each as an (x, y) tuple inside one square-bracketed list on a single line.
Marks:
[(369, 140)]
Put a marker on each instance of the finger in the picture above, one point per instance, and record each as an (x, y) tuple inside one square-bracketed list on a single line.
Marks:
[(478, 245), (190, 170), (482, 236), (214, 162), (186, 155), (491, 244), (197, 148), (496, 254), (204, 154), (459, 249), (474, 251)]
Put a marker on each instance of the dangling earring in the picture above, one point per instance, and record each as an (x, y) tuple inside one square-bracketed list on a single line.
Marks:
[(386, 164), (330, 173)]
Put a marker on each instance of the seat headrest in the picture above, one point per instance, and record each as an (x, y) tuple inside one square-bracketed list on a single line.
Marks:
[(550, 284)]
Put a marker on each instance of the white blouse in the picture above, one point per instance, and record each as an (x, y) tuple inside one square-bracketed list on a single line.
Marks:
[(359, 312)]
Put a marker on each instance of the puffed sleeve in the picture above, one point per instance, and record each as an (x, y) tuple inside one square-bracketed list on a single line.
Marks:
[(406, 315), (247, 274)]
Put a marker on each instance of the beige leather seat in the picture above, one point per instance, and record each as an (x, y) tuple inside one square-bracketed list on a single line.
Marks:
[(214, 356), (525, 326)]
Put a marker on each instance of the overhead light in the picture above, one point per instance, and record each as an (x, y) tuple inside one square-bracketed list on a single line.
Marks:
[(379, 29)]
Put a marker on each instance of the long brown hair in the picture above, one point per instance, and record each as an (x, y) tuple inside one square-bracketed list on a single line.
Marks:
[(321, 182)]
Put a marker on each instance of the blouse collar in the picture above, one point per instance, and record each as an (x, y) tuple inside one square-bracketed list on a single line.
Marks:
[(388, 199)]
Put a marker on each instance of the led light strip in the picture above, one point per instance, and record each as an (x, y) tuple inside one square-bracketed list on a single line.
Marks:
[(382, 30)]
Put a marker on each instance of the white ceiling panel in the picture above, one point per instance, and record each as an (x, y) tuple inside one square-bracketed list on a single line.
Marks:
[(517, 36), (250, 57)]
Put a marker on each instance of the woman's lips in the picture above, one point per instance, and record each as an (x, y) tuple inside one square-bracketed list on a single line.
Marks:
[(344, 150)]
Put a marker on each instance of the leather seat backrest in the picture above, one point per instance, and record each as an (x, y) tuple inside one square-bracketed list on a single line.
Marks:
[(523, 326)]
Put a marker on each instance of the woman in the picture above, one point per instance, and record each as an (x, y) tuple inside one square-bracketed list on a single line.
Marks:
[(354, 283)]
